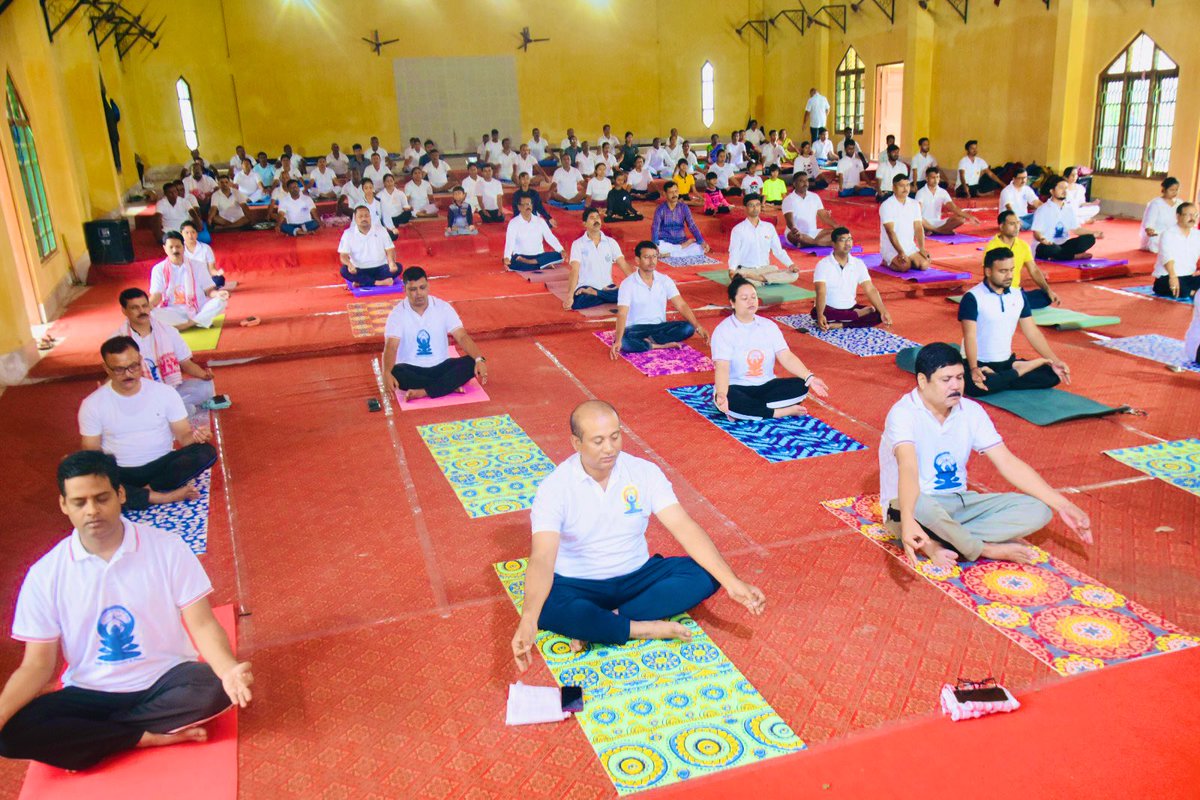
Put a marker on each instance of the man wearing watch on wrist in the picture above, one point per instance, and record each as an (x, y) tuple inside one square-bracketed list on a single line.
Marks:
[(416, 355), (990, 314)]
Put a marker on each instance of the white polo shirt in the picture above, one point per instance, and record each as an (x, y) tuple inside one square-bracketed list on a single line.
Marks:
[(817, 108), (490, 193), (823, 149), (508, 163), (971, 170), (537, 148), (296, 210), (199, 188), (736, 151), (647, 304), (850, 168), (753, 245), (886, 171), (354, 195), (422, 336), (229, 206), (639, 180), (525, 237), (436, 175), (471, 189), (393, 203), (931, 203), (173, 215), (203, 254), (772, 154), (586, 162), (340, 164), (249, 184), (920, 163), (1055, 222), (724, 173), (323, 182), (118, 620), (1017, 200), (527, 164), (750, 349), (804, 211), (943, 448), (595, 260), (903, 216), (375, 174), (602, 531), (134, 430), (419, 196), (566, 181), (1173, 245), (366, 250), (996, 316), (841, 283)]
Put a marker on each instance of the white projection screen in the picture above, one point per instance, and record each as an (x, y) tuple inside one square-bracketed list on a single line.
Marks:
[(454, 100)]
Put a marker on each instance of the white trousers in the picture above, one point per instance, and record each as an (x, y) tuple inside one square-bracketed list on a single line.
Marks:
[(195, 393), (681, 250), (178, 315)]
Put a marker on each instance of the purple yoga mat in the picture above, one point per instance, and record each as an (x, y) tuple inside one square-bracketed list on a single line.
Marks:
[(374, 291), (655, 363), (1089, 263), (954, 238), (813, 251), (874, 262)]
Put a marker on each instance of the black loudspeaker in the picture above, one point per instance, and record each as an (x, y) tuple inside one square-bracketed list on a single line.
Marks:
[(108, 241)]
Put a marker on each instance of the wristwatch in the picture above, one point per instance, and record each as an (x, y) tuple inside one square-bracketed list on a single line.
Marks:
[(479, 359)]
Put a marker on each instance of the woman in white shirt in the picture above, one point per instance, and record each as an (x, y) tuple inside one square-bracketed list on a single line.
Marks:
[(1085, 210), (745, 348), (639, 181), (598, 187), (394, 205), (1160, 214), (248, 182)]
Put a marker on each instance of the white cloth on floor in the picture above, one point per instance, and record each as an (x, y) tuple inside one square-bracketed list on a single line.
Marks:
[(529, 705)]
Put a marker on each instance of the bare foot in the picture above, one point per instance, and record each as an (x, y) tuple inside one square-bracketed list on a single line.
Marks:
[(189, 492), (577, 645), (161, 739), (659, 629), (797, 410), (230, 286), (833, 326), (415, 394), (667, 346), (384, 282), (940, 556), (1023, 367), (1010, 551), (1082, 257)]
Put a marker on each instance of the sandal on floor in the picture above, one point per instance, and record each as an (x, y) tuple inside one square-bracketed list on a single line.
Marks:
[(250, 322)]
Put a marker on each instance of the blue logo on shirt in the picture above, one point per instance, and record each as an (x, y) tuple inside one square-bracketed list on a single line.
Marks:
[(946, 472), (116, 635), (423, 344), (630, 495)]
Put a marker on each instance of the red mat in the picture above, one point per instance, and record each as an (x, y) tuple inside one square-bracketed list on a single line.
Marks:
[(182, 772)]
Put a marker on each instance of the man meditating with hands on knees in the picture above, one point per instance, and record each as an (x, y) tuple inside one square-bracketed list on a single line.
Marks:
[(927, 440), (745, 348), (642, 309), (114, 596), (837, 279), (591, 577), (182, 292), (416, 356), (366, 251)]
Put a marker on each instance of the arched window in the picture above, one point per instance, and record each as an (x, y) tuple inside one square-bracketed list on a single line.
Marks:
[(31, 173), (1135, 111), (849, 94), (186, 113), (707, 95)]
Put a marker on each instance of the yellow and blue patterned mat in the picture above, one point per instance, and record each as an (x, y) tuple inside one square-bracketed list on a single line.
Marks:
[(1177, 463), (660, 712)]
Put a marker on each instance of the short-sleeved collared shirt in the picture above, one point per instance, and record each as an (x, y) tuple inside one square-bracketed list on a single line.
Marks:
[(1022, 255), (749, 348), (904, 218), (366, 250), (804, 211), (647, 304), (595, 259), (841, 283), (996, 315)]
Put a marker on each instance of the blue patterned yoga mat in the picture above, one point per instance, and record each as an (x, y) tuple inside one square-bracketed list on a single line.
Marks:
[(859, 341), (688, 261), (189, 519), (1155, 347), (1148, 291), (786, 439)]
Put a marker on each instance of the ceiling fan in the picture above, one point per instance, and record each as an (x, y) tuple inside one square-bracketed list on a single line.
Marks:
[(527, 40)]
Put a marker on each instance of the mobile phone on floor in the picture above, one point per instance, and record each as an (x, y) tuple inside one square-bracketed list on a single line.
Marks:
[(219, 401), (373, 404), (572, 699)]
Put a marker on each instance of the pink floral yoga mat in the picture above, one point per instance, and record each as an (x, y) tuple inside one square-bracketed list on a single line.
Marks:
[(675, 361), (1064, 618)]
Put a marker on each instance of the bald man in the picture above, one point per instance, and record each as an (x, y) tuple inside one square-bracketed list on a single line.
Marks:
[(590, 576)]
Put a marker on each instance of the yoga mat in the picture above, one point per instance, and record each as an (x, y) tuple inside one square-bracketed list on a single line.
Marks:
[(368, 319), (1154, 347), (189, 518), (655, 363), (874, 262), (660, 712), (205, 771), (1088, 263), (1067, 620), (1148, 291), (954, 238), (813, 251), (776, 440), (1177, 463), (567, 206), (687, 261), (491, 464), (1039, 406), (374, 291), (559, 290), (199, 339), (1063, 319), (859, 341), (770, 294), (473, 393), (544, 275)]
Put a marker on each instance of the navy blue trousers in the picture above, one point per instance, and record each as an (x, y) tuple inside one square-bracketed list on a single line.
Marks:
[(662, 587), (522, 263), (635, 336), (606, 296)]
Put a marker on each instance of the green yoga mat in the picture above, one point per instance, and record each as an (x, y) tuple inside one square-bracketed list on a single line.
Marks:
[(660, 712), (771, 293), (1064, 319), (204, 338), (1039, 406)]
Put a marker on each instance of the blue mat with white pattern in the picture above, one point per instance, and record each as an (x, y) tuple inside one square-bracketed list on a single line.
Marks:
[(1154, 347), (1148, 291), (859, 341), (189, 518)]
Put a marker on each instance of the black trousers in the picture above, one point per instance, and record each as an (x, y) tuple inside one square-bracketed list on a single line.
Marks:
[(366, 276), (985, 185), (403, 218), (760, 402), (1188, 285), (646, 195), (495, 215), (439, 380), (77, 728), (1069, 250), (165, 474), (1004, 378)]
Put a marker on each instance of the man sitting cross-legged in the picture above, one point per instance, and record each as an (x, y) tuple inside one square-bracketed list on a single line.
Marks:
[(933, 199), (298, 212), (745, 348), (671, 225), (227, 207), (114, 598), (990, 314), (927, 441), (801, 211), (901, 231), (367, 253), (416, 356), (1023, 261), (138, 422), (1056, 227), (752, 243), (837, 279), (567, 183), (642, 309), (166, 358), (590, 576), (592, 258), (524, 190), (524, 238), (178, 286)]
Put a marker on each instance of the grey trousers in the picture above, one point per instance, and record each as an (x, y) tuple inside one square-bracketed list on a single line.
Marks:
[(966, 521)]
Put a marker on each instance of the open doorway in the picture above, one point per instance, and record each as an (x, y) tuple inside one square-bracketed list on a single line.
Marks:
[(889, 100)]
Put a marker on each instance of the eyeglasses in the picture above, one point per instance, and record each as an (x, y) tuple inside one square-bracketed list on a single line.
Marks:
[(131, 369)]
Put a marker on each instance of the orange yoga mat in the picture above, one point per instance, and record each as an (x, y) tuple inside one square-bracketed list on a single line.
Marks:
[(182, 772)]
